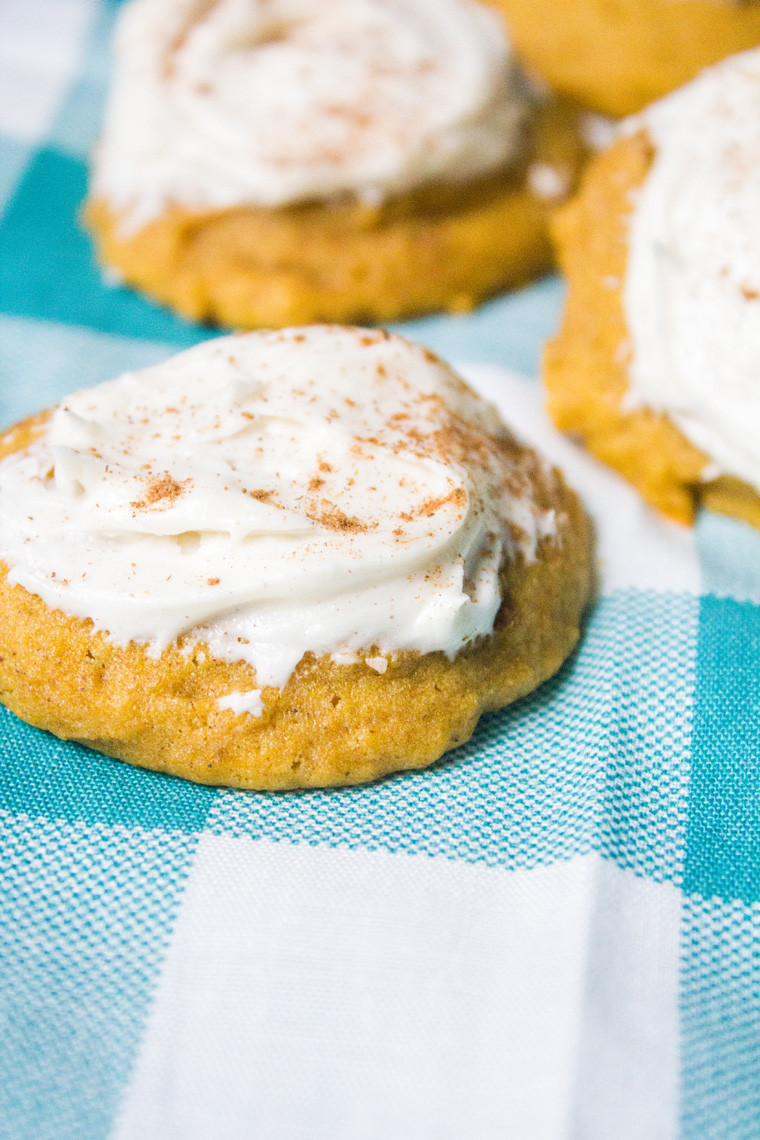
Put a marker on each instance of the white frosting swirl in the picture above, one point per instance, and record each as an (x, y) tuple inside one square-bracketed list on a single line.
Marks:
[(692, 288), (325, 489), (222, 103)]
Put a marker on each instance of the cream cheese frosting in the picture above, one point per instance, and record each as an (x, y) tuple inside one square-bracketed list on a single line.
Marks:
[(222, 103), (331, 490), (692, 288)]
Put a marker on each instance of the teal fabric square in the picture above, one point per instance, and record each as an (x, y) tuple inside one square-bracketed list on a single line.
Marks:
[(43, 776), (49, 271), (723, 833), (720, 1020)]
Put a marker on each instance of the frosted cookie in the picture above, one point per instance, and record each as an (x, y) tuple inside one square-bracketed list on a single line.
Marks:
[(616, 57), (280, 162), (655, 365), (281, 560)]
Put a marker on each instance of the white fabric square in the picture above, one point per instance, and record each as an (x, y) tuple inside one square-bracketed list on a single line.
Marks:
[(627, 1080), (339, 994)]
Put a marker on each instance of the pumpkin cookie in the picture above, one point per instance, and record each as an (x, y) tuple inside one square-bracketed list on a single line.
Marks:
[(655, 364), (616, 56), (281, 560), (266, 164)]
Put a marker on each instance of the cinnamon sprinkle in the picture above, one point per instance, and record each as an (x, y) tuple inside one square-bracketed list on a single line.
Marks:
[(332, 517), (162, 491), (458, 496)]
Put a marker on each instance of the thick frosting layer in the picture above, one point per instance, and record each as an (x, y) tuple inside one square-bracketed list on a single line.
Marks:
[(692, 290), (330, 490), (221, 103)]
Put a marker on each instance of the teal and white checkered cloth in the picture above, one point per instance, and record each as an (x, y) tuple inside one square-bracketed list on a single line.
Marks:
[(551, 934)]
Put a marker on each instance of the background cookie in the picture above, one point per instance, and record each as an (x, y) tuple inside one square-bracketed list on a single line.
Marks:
[(654, 364), (615, 56), (262, 179)]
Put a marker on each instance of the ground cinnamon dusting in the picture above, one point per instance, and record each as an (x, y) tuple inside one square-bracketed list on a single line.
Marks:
[(332, 517), (357, 118), (163, 490), (458, 496), (376, 337)]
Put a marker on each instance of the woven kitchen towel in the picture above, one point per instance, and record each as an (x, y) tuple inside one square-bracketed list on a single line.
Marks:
[(553, 933)]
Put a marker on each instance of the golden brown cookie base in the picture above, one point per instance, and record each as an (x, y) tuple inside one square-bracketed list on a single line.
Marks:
[(444, 247), (586, 365), (615, 56), (331, 724)]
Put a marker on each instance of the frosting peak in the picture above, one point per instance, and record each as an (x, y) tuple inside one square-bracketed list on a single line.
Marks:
[(325, 489), (221, 103)]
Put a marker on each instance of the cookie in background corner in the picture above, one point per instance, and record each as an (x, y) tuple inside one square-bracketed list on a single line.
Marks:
[(616, 56), (264, 164), (281, 560), (655, 366)]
